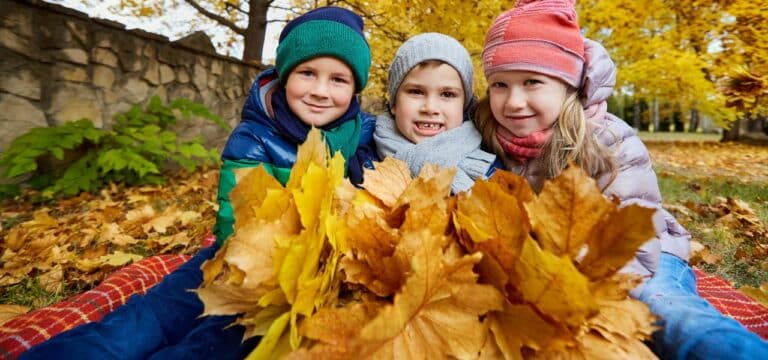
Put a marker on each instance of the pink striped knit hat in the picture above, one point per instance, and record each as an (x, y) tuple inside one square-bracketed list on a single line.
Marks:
[(540, 36)]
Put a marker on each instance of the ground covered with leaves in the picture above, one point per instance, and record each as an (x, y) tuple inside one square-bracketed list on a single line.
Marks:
[(51, 250), (719, 192)]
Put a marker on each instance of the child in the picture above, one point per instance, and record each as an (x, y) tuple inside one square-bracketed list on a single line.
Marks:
[(322, 63), (536, 120), (430, 92)]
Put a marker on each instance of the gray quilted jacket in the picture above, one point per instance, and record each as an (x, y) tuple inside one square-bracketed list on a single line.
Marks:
[(636, 181)]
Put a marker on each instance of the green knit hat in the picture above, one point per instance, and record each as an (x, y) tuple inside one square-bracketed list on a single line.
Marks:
[(326, 31)]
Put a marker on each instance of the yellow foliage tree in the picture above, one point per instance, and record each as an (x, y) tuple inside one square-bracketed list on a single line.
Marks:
[(677, 52)]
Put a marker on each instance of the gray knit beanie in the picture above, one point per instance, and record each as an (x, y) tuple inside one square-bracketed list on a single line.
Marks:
[(430, 46)]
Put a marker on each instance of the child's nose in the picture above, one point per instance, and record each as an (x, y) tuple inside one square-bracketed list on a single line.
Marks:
[(429, 105), (516, 99), (319, 88)]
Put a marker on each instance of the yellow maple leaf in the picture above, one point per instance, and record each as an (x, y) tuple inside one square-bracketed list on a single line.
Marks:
[(565, 214), (249, 193), (118, 258), (312, 151), (8, 312), (488, 213), (388, 181), (519, 327), (617, 240), (553, 285), (432, 317), (514, 185), (333, 331)]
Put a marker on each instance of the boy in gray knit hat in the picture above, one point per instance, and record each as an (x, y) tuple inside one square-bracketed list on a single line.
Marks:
[(430, 92)]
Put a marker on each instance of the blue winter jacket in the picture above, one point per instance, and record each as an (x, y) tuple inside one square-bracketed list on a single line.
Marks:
[(256, 141)]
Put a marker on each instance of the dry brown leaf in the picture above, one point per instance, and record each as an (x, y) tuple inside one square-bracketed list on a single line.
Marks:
[(553, 285), (141, 215), (617, 240), (517, 329), (113, 234), (388, 181), (489, 219), (8, 312), (564, 216), (245, 199), (116, 259), (51, 281), (426, 320), (758, 294)]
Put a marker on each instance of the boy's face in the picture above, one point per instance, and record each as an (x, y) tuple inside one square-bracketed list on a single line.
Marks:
[(429, 101), (320, 90)]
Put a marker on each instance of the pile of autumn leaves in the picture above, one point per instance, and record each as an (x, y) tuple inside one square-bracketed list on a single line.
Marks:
[(402, 269)]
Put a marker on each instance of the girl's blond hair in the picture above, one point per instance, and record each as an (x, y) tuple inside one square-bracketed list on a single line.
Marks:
[(573, 139)]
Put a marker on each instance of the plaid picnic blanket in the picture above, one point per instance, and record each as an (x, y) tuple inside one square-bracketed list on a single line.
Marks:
[(732, 303), (25, 331), (22, 332)]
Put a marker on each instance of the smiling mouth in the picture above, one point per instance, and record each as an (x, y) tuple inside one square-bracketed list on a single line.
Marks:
[(424, 128), (316, 107), (514, 118), (429, 126)]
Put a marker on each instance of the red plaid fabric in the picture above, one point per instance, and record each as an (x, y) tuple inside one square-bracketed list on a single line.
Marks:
[(25, 331), (731, 302)]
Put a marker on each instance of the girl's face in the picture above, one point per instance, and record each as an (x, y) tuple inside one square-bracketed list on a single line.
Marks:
[(525, 102), (429, 101), (320, 90)]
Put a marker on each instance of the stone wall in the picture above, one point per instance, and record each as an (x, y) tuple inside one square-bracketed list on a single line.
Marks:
[(59, 65)]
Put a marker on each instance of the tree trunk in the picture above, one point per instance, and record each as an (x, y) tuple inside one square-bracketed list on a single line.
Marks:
[(636, 118), (694, 127), (732, 134), (655, 115), (253, 44)]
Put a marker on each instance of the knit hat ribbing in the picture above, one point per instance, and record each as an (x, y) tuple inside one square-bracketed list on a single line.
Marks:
[(325, 31), (430, 46), (540, 36)]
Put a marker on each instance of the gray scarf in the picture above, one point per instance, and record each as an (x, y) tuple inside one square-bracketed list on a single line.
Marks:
[(457, 148)]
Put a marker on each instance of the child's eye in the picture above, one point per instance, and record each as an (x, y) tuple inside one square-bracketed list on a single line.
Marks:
[(305, 72), (498, 84), (530, 82), (340, 80), (414, 91), (449, 94)]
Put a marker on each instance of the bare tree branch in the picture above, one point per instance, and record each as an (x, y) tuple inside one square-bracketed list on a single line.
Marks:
[(218, 18), (229, 5), (373, 19)]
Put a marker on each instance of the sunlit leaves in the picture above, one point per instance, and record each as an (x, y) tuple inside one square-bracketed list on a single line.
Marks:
[(402, 269)]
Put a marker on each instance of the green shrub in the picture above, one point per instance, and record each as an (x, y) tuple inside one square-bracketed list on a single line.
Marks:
[(87, 158)]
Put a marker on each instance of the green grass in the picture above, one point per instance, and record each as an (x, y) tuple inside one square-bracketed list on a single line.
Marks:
[(739, 262), (29, 293)]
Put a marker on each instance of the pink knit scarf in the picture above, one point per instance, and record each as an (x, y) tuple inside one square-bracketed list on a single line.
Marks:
[(523, 148)]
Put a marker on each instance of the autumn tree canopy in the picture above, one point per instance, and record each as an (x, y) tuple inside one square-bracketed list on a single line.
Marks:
[(684, 53)]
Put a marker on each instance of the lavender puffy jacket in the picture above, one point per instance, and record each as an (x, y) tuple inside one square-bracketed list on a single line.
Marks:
[(636, 181)]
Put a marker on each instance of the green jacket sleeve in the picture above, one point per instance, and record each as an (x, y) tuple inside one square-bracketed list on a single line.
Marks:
[(225, 217)]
